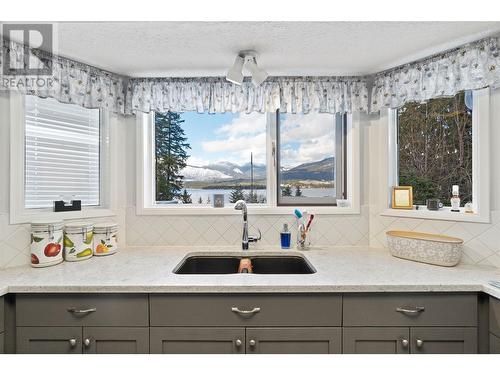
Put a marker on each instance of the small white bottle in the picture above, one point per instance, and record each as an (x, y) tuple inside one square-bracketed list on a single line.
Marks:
[(455, 199)]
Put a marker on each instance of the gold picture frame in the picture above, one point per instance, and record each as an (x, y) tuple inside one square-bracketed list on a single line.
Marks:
[(402, 197)]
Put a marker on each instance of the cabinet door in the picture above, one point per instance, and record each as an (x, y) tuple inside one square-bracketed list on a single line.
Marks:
[(49, 340), (2, 346), (376, 340), (494, 344), (116, 340), (443, 340), (196, 340), (310, 340)]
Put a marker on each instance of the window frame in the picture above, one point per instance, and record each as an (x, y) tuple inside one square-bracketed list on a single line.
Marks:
[(145, 204), (480, 166), (18, 213)]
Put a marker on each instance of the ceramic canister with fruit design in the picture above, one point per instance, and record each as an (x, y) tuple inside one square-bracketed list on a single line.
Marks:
[(105, 239), (78, 241), (46, 243)]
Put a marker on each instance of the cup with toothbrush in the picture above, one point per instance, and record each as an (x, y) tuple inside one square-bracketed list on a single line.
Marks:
[(304, 224)]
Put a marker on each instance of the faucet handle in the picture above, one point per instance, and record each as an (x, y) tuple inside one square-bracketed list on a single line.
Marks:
[(255, 238)]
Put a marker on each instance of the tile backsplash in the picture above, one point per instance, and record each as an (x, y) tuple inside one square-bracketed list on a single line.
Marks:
[(226, 230), (481, 240)]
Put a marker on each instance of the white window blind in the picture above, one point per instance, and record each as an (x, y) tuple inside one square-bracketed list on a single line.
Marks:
[(61, 153)]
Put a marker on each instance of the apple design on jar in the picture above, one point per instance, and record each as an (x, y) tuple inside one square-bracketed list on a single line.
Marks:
[(52, 249), (34, 259)]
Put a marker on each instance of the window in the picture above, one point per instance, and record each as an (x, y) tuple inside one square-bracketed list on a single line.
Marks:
[(270, 160), (61, 153), (199, 155), (310, 159), (435, 148), (438, 144)]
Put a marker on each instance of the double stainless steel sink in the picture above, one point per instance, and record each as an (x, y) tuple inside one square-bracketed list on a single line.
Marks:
[(228, 264)]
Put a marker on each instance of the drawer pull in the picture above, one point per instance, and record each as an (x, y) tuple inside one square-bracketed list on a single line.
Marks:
[(405, 343), (238, 342), (420, 343), (416, 310), (74, 310), (86, 342), (245, 312), (252, 343), (72, 342)]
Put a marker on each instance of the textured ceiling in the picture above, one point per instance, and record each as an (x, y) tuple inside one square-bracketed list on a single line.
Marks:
[(285, 48)]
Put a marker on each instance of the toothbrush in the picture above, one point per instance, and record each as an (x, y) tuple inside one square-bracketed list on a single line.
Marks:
[(309, 222)]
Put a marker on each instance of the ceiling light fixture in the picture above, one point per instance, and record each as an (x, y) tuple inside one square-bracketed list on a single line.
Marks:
[(247, 59)]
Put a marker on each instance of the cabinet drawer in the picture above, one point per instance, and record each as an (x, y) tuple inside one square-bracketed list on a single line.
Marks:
[(235, 310), (495, 316), (410, 309), (69, 310)]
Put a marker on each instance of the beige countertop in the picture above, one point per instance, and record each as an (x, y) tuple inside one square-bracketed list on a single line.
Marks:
[(339, 269)]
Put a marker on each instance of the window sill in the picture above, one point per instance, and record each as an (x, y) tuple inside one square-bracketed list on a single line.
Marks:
[(262, 210), (443, 214), (27, 216)]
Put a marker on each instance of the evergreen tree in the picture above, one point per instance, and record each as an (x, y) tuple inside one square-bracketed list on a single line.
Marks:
[(171, 155), (236, 194), (298, 191), (200, 201), (252, 198), (286, 191), (185, 197), (208, 199)]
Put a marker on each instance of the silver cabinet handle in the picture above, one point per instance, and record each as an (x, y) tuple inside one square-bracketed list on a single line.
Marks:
[(72, 342), (238, 342), (86, 342), (404, 310), (74, 310), (245, 312), (420, 343), (405, 343), (252, 343)]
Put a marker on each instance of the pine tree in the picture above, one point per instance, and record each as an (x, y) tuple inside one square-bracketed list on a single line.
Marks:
[(185, 197), (298, 192), (208, 199), (200, 201), (286, 191), (171, 155), (236, 194), (252, 198)]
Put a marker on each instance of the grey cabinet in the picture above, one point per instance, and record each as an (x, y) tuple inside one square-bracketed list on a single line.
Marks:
[(376, 340), (2, 320), (292, 340), (49, 340), (197, 340), (2, 343), (443, 340), (82, 323), (116, 340), (494, 344)]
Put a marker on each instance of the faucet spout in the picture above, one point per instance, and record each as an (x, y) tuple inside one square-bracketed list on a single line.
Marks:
[(245, 238)]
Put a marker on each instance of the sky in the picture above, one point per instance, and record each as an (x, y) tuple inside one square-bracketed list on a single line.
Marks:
[(233, 136)]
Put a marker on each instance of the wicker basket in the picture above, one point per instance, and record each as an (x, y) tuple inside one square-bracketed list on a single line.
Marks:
[(425, 247)]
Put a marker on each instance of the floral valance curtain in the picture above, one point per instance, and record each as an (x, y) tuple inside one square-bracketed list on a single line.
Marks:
[(472, 66), (68, 82), (215, 95), (469, 67)]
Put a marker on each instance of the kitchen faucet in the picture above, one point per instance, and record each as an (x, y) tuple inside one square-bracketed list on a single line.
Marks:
[(241, 205)]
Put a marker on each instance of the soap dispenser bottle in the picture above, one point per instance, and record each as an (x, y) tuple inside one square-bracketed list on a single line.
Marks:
[(286, 237), (455, 199)]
